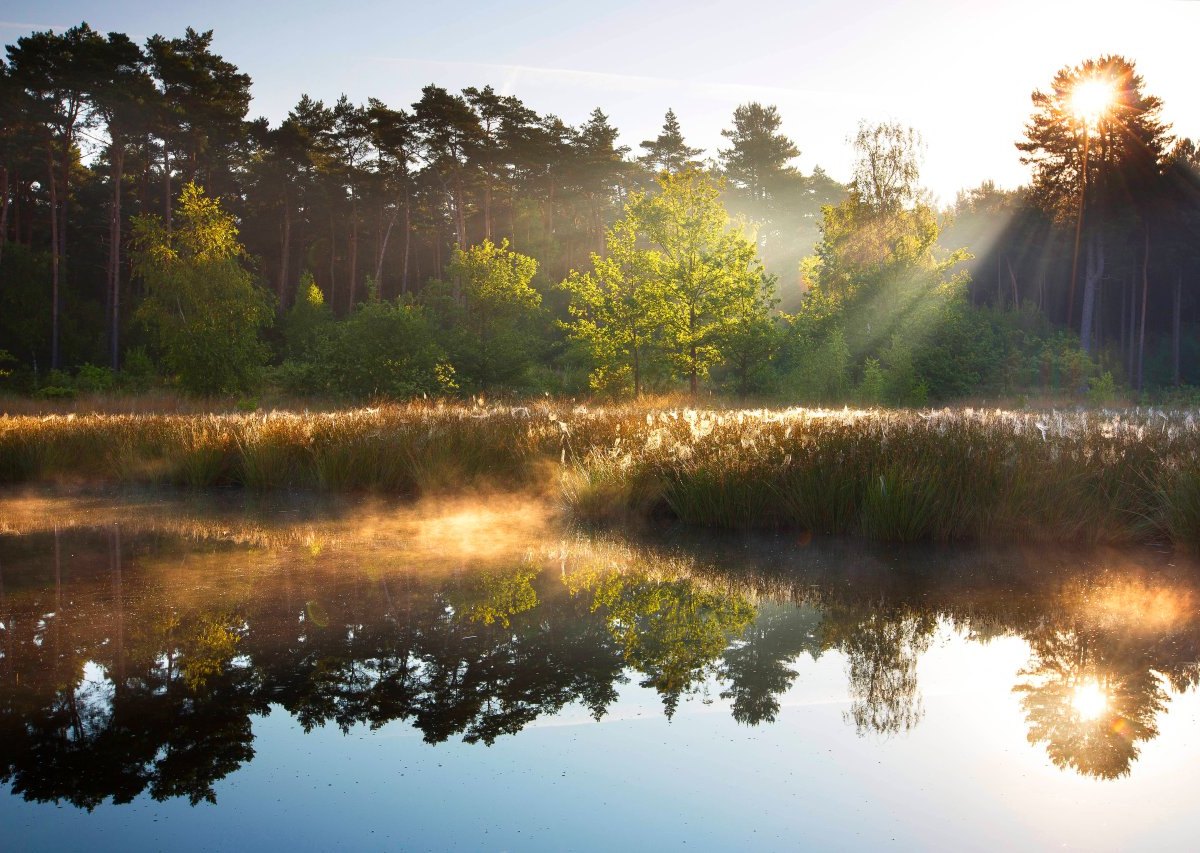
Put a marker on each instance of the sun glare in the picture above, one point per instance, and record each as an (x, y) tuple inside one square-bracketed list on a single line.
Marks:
[(1091, 99), (1089, 700)]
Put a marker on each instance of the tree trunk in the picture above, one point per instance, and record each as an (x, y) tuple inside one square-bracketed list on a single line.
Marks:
[(54, 260), (693, 379), (114, 273), (637, 371), (285, 252), (386, 234), (1176, 328), (1091, 281), (1131, 352), (353, 249), (407, 242), (487, 207), (3, 210), (332, 263), (166, 185), (1145, 292), (512, 216), (460, 213)]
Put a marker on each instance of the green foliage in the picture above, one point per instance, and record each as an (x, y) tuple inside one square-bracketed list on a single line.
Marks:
[(494, 596), (680, 284), (487, 314), (614, 310), (670, 630), (202, 305), (817, 369), (307, 324), (1102, 390), (383, 349), (25, 304), (92, 379), (138, 372), (872, 388)]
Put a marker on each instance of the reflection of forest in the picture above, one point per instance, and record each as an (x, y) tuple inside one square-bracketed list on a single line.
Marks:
[(134, 663)]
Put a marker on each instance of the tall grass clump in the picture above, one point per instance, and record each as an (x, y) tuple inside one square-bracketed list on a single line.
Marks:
[(1094, 476), (947, 475), (1177, 494)]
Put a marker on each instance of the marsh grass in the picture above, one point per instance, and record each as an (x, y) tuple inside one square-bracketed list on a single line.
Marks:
[(965, 474)]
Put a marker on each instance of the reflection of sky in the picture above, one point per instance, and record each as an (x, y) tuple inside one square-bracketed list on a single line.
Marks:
[(965, 778), (959, 71)]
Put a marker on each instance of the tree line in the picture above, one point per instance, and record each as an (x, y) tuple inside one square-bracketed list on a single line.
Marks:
[(466, 242)]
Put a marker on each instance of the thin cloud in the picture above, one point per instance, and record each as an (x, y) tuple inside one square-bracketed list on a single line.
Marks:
[(17, 25), (611, 81)]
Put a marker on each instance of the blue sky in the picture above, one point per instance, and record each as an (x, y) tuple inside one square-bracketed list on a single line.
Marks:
[(961, 72)]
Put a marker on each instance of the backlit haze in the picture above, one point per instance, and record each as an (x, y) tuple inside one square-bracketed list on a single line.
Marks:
[(960, 72)]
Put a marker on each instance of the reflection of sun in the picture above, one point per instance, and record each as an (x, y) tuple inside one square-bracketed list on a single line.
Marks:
[(1089, 700), (1091, 98)]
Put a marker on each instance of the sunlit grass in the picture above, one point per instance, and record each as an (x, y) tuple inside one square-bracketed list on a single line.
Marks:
[(897, 475)]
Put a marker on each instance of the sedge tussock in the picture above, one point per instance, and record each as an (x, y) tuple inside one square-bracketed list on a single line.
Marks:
[(1092, 476)]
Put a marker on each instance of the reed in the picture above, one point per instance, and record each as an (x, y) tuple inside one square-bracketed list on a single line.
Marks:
[(1090, 476)]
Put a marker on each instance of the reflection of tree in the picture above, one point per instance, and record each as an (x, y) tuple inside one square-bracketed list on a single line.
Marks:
[(116, 681), (882, 649), (1100, 741), (493, 595), (757, 665), (672, 630)]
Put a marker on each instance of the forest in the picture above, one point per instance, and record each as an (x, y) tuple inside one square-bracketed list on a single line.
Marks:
[(153, 234)]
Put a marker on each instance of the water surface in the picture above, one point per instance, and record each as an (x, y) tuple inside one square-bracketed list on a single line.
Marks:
[(218, 673)]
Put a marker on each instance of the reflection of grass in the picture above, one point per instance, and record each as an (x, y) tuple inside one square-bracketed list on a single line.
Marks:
[(900, 475)]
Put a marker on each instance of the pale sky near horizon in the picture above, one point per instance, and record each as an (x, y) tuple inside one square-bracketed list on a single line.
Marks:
[(960, 72)]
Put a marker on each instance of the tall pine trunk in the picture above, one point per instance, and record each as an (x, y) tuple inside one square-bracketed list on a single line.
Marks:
[(1131, 352), (285, 251), (384, 236), (1176, 328), (353, 249), (114, 262), (1141, 372), (332, 264), (54, 259), (407, 242), (166, 185), (1091, 281), (3, 209)]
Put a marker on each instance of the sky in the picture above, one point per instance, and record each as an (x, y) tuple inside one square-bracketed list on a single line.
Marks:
[(959, 71)]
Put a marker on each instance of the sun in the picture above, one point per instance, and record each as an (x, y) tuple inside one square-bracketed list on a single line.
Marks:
[(1089, 700), (1091, 98)]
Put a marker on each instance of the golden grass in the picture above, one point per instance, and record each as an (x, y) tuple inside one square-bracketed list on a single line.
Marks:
[(952, 474)]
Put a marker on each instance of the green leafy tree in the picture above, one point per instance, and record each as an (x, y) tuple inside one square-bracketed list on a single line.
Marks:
[(201, 303), (712, 289), (306, 326), (615, 312), (490, 326), (680, 280)]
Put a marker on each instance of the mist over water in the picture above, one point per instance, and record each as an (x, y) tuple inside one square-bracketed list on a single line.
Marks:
[(231, 666)]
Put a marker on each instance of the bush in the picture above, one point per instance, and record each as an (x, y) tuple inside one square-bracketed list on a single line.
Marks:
[(92, 379), (383, 349)]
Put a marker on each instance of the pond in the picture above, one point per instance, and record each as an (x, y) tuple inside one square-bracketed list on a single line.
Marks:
[(232, 672)]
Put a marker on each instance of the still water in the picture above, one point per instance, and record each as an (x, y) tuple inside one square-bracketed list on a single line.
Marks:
[(231, 673)]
